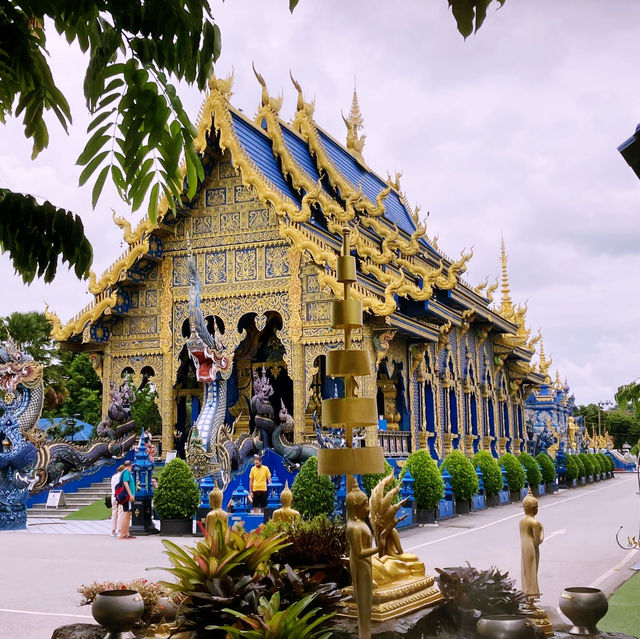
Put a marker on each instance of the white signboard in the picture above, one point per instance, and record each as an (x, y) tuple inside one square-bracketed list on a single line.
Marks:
[(55, 498), (171, 455)]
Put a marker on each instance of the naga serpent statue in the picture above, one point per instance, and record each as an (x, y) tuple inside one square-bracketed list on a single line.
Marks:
[(213, 368), (28, 461)]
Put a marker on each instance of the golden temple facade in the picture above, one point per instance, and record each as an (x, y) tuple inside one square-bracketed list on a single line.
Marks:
[(450, 368)]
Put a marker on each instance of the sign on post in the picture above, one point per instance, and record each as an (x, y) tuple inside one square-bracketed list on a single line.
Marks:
[(55, 498), (171, 455)]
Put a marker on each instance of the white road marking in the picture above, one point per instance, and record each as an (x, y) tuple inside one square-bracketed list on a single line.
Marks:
[(499, 521), (46, 614), (617, 567), (554, 533)]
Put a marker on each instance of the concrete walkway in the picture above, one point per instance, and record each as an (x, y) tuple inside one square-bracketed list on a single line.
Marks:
[(42, 567)]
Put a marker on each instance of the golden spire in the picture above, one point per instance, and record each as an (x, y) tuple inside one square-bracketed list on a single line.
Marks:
[(506, 305), (354, 123), (544, 363)]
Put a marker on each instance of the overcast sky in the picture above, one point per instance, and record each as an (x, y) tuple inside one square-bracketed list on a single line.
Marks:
[(512, 132)]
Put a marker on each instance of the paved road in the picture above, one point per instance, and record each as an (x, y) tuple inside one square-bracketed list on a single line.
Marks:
[(39, 573), (579, 548)]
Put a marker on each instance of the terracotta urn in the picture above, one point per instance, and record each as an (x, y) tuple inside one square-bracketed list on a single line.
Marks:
[(118, 611), (505, 627), (584, 607)]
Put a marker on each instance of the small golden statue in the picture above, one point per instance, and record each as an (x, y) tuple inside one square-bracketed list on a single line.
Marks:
[(531, 536), (572, 427), (286, 513), (216, 513)]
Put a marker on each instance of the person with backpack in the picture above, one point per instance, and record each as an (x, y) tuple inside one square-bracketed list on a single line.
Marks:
[(115, 479), (125, 493)]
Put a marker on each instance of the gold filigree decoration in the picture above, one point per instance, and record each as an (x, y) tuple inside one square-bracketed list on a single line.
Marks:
[(119, 268), (76, 325), (443, 335), (166, 303), (478, 289), (132, 237), (491, 290), (295, 295)]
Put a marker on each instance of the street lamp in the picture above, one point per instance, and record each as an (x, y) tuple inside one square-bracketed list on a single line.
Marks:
[(601, 406)]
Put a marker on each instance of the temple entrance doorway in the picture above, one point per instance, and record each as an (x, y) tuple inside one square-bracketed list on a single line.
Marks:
[(259, 356)]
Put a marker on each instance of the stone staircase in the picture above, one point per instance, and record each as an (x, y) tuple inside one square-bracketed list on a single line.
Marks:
[(74, 501)]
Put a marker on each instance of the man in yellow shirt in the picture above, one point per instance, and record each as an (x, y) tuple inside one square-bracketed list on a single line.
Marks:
[(259, 477)]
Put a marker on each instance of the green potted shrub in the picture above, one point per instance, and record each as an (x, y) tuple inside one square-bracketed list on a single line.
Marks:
[(548, 471), (597, 466), (369, 482), (428, 487), (515, 475), (573, 471), (612, 465), (313, 494), (176, 498), (491, 475), (464, 479), (532, 470), (582, 473), (588, 465)]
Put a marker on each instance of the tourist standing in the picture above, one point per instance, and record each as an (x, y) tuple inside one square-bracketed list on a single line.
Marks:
[(114, 504), (124, 510), (259, 477)]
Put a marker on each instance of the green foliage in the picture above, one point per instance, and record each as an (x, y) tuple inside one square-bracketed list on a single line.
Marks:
[(84, 388), (612, 464), (43, 234), (491, 473), (294, 622), (548, 468), (140, 131), (635, 449), (177, 495), (515, 473), (310, 542), (313, 494), (464, 479), (534, 476), (628, 397), (428, 487), (587, 463), (470, 14), (145, 410), (369, 482), (582, 472), (597, 463), (573, 470), (229, 572)]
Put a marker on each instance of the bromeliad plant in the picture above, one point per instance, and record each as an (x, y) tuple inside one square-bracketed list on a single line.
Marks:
[(231, 570), (294, 622)]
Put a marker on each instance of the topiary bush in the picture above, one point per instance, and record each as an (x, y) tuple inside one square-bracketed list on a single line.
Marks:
[(464, 479), (588, 464), (369, 482), (515, 473), (491, 473), (604, 463), (177, 495), (612, 464), (428, 487), (597, 463), (573, 471), (534, 476), (548, 468), (581, 469), (313, 494)]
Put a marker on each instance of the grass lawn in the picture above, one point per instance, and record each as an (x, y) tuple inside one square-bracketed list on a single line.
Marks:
[(95, 511), (624, 609)]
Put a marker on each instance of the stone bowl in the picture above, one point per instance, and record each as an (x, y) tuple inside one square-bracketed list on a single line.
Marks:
[(118, 611), (584, 607), (505, 627)]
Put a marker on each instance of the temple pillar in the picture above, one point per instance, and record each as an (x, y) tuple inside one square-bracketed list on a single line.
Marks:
[(106, 379), (369, 384), (299, 380)]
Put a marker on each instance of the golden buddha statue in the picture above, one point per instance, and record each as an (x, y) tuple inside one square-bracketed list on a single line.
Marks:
[(572, 427), (531, 536), (216, 513), (286, 513), (387, 582)]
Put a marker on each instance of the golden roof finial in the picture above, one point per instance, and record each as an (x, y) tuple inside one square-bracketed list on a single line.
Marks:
[(544, 363), (354, 123), (506, 305)]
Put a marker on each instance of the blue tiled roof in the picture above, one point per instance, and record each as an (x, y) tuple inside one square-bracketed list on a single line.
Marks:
[(396, 213), (81, 436), (258, 147)]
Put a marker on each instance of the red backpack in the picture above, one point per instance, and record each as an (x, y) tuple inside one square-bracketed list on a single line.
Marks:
[(120, 492)]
